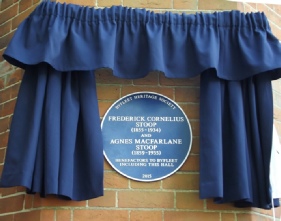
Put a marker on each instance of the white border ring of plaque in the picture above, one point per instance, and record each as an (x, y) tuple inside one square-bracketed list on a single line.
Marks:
[(146, 136)]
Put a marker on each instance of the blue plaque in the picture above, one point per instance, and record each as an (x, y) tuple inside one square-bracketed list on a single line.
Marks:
[(146, 136)]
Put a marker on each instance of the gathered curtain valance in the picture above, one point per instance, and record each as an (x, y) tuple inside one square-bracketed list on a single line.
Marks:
[(133, 42), (55, 143)]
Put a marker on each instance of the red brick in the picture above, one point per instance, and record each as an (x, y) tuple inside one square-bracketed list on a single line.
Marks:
[(5, 68), (108, 3), (28, 216), (1, 169), (276, 8), (146, 215), (4, 139), (216, 5), (191, 164), (8, 13), (182, 182), (100, 215), (145, 185), (145, 199), (25, 4), (4, 41), (7, 218), (2, 154), (15, 77), (186, 4), (252, 5), (5, 28), (104, 106), (227, 217), (3, 98), (8, 108), (249, 8), (195, 127), (191, 216), (107, 166), (47, 215), (8, 191), (190, 94), (28, 201), (148, 3), (5, 4), (11, 204), (21, 189), (63, 215), (240, 6), (105, 76), (151, 79), (168, 92), (1, 54), (10, 93), (195, 81), (252, 217), (4, 124), (51, 201), (2, 83), (191, 110), (108, 200), (277, 211), (273, 17), (115, 180), (108, 92), (20, 17), (195, 145), (13, 91), (189, 200)]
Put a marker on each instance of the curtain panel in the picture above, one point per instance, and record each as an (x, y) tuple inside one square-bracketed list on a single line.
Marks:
[(55, 143)]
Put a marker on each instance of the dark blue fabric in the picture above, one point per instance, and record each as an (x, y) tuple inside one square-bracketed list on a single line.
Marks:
[(236, 135), (133, 42), (55, 144)]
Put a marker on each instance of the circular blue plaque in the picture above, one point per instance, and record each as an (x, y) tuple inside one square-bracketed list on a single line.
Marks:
[(146, 136)]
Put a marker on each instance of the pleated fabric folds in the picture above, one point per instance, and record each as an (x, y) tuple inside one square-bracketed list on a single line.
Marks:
[(235, 140), (55, 143), (133, 42)]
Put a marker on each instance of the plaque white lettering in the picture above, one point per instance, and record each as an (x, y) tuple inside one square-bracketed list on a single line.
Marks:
[(121, 141), (146, 136), (158, 141)]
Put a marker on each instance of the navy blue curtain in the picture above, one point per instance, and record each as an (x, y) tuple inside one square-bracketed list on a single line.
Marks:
[(235, 139), (55, 143)]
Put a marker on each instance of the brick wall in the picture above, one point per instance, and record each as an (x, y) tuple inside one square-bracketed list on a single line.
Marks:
[(273, 13), (172, 199)]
